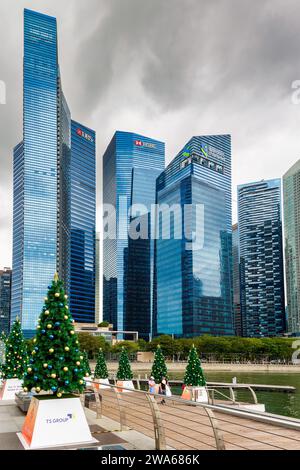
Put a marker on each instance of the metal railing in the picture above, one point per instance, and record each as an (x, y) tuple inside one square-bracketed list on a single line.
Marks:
[(182, 424)]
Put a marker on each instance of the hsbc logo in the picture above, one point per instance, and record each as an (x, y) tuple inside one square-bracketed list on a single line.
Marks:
[(84, 135), (140, 143)]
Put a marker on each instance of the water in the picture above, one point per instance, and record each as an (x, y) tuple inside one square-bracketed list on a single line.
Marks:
[(287, 404)]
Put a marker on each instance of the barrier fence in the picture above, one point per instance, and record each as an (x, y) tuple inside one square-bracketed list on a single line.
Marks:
[(185, 425)]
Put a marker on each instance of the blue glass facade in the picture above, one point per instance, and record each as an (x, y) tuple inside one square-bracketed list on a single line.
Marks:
[(131, 165), (42, 176), (236, 281), (261, 258), (83, 223), (193, 287)]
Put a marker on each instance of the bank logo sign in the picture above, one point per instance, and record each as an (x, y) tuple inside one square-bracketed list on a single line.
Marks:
[(140, 143), (84, 135)]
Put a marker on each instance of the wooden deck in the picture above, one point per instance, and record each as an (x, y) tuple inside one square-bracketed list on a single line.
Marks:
[(190, 427)]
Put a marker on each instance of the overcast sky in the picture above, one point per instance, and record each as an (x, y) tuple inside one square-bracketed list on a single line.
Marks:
[(168, 69)]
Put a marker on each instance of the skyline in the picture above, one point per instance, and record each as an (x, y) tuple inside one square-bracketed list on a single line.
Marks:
[(161, 91)]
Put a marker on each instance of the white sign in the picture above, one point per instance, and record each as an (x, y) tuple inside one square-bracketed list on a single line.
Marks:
[(55, 422), (10, 388)]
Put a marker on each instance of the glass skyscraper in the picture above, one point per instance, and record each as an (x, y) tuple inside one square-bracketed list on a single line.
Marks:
[(42, 186), (83, 220), (193, 287), (236, 281), (291, 201), (5, 299), (261, 258), (131, 165)]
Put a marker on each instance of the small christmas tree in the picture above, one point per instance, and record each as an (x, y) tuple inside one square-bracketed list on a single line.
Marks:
[(16, 357), (56, 363), (101, 371), (86, 364), (124, 370), (159, 368), (193, 373)]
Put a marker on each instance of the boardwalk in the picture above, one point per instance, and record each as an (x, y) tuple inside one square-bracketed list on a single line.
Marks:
[(195, 427)]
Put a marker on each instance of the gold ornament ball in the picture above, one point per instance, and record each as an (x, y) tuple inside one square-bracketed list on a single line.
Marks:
[(34, 340), (72, 332), (53, 376), (81, 357), (29, 369), (66, 369), (33, 352), (47, 312), (51, 350), (38, 327), (45, 365), (49, 326), (57, 294), (78, 363), (81, 382), (87, 374), (66, 317), (38, 389), (59, 394), (25, 389), (67, 307), (46, 299), (76, 342), (67, 348)]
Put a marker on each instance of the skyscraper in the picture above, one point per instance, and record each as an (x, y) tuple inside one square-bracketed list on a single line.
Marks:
[(236, 281), (5, 299), (291, 201), (193, 282), (131, 165), (42, 186), (261, 258), (83, 223)]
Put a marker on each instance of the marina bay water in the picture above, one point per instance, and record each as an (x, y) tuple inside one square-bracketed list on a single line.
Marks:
[(287, 404)]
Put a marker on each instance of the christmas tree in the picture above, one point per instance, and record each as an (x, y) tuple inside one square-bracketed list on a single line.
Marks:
[(159, 368), (86, 364), (56, 363), (124, 370), (16, 357), (193, 373), (101, 371)]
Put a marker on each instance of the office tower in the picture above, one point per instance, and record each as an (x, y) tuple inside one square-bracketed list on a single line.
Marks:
[(98, 312), (5, 298), (193, 282), (83, 223), (261, 258), (236, 281), (42, 186), (131, 165), (291, 201)]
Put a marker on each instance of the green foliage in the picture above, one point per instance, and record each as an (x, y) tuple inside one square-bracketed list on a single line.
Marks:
[(101, 371), (103, 324), (193, 373), (86, 364), (56, 362), (91, 344), (159, 368), (124, 370), (16, 356), (130, 347)]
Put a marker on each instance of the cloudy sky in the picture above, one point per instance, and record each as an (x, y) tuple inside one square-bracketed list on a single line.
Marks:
[(168, 69)]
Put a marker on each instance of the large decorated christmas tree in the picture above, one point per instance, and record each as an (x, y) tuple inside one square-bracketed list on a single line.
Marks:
[(124, 370), (194, 375), (56, 363), (159, 368), (16, 357), (101, 371)]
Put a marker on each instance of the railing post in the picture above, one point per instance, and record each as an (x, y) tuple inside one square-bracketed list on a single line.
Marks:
[(232, 394), (217, 432), (254, 395), (98, 400), (159, 431), (123, 425)]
